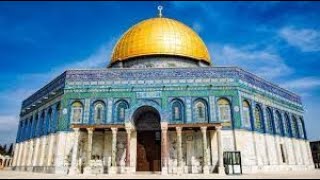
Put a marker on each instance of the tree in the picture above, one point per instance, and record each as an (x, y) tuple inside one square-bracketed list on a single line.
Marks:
[(5, 149), (10, 150), (2, 151)]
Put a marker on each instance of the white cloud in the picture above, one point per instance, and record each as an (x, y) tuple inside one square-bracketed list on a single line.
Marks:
[(27, 84), (307, 40), (8, 128), (265, 63), (303, 83)]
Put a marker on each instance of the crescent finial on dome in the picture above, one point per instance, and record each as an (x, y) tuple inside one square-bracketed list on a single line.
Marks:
[(160, 10)]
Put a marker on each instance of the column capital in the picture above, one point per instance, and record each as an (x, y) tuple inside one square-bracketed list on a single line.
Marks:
[(164, 125), (129, 125), (129, 129), (179, 129), (204, 129), (90, 130), (114, 130), (218, 128)]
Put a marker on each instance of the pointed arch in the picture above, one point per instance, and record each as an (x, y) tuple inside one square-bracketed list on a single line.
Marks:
[(246, 114), (278, 123), (287, 125), (258, 118), (269, 121), (200, 109), (99, 109), (76, 112), (120, 111), (177, 111)]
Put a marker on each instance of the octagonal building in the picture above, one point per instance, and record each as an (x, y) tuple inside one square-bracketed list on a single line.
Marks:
[(160, 106)]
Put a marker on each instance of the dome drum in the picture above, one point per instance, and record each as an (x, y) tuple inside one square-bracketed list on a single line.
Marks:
[(159, 61)]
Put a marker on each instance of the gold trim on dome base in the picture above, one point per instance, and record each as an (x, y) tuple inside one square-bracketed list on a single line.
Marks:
[(160, 36)]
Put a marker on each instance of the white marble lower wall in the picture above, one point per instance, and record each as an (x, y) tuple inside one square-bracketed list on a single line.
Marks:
[(260, 152)]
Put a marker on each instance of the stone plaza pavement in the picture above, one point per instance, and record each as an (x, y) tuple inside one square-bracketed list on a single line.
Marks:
[(7, 174)]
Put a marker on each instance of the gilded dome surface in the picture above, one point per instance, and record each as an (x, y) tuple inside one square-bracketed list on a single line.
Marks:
[(160, 36)]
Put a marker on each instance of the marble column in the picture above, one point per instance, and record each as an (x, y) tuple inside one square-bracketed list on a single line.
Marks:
[(88, 168), (128, 166), (74, 161), (164, 148), (89, 148), (51, 148), (220, 151), (105, 154), (179, 152), (205, 150), (113, 168)]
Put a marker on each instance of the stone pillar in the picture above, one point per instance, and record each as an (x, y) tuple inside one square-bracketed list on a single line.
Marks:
[(105, 154), (220, 151), (87, 169), (43, 151), (179, 152), (51, 148), (89, 148), (205, 150), (128, 166), (113, 168), (164, 148), (74, 162)]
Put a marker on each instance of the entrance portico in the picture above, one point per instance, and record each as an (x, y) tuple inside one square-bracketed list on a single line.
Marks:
[(147, 145)]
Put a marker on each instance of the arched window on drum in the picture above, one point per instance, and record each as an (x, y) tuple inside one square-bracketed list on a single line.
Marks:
[(177, 111), (99, 112), (76, 112), (246, 120)]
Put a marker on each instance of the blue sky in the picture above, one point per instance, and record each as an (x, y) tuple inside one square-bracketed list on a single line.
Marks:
[(279, 41)]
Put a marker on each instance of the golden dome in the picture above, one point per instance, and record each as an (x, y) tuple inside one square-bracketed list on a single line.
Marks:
[(160, 36)]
